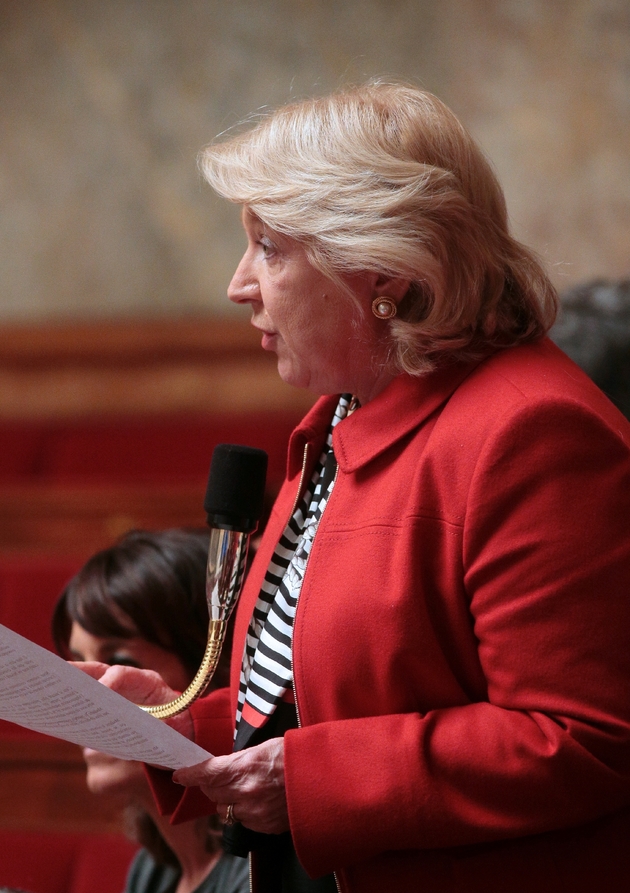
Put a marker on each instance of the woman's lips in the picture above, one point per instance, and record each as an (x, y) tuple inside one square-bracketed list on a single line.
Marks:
[(268, 341)]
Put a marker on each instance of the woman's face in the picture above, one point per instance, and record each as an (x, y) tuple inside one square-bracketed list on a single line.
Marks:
[(123, 780), (323, 341)]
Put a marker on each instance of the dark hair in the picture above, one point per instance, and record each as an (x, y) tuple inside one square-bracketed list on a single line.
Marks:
[(149, 584), (153, 585), (594, 329)]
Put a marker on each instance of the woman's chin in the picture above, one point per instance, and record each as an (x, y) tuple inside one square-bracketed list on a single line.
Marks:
[(290, 374), (116, 779)]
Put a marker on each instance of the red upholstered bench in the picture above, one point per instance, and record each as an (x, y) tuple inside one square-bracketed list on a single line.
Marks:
[(136, 450), (29, 588), (64, 863), (43, 785), (72, 485)]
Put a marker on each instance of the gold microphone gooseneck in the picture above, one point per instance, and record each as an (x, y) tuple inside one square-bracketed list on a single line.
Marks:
[(233, 503)]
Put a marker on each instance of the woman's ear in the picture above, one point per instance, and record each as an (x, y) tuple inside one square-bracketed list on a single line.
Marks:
[(394, 287)]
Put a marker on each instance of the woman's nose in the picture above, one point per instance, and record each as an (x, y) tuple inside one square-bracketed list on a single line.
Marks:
[(243, 289)]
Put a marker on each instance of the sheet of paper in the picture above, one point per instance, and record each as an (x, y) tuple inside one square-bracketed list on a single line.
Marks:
[(40, 691)]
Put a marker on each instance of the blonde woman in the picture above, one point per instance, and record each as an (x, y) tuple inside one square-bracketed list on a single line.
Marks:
[(432, 649)]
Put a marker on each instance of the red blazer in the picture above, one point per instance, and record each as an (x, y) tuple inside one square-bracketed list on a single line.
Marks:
[(462, 638)]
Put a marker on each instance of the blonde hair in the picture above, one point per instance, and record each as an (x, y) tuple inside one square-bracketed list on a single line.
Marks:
[(384, 178)]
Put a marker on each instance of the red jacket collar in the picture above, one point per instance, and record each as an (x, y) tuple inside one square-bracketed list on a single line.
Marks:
[(401, 407)]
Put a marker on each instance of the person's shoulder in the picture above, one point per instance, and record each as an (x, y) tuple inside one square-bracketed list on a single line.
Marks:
[(230, 875), (146, 876), (534, 370), (523, 399), (536, 375)]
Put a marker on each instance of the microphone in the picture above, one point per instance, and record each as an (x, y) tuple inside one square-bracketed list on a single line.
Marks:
[(234, 504), (236, 487)]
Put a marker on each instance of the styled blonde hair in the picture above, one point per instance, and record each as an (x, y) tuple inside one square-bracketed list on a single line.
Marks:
[(384, 178)]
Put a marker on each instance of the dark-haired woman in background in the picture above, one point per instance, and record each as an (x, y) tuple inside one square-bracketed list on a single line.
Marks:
[(142, 603)]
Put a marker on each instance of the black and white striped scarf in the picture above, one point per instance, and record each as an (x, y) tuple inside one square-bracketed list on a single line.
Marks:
[(267, 670)]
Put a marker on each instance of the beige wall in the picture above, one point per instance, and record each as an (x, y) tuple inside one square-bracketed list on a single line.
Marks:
[(103, 106)]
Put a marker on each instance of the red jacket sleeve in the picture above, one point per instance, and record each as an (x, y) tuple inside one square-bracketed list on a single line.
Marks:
[(213, 724)]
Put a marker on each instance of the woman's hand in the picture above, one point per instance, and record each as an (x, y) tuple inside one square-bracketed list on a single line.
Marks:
[(251, 781), (139, 686)]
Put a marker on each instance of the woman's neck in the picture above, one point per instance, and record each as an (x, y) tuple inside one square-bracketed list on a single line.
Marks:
[(188, 842)]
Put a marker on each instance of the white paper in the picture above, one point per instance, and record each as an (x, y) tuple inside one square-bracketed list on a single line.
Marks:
[(40, 691)]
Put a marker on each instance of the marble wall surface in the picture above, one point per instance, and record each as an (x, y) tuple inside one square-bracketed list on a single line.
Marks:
[(104, 105)]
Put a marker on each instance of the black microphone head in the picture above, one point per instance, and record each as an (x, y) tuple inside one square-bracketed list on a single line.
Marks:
[(236, 487)]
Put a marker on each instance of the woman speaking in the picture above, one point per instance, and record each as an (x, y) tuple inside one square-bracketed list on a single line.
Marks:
[(432, 649)]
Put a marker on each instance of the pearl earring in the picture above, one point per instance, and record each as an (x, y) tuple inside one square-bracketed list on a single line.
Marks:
[(384, 308)]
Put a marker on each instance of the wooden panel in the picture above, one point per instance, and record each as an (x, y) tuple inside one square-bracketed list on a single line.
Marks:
[(94, 369), (81, 520), (125, 341)]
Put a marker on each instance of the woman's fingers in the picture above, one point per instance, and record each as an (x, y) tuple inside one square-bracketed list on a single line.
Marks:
[(144, 687), (251, 781), (91, 667), (139, 686)]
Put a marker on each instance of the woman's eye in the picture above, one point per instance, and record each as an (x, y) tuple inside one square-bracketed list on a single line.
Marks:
[(121, 660), (267, 246)]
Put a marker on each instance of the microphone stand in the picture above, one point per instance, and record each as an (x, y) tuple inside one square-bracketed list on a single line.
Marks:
[(233, 503)]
